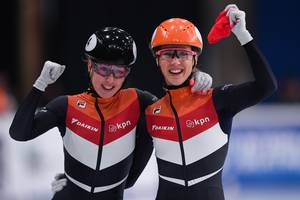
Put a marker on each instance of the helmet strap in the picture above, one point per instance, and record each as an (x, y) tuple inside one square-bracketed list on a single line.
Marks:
[(91, 87), (195, 62), (156, 60)]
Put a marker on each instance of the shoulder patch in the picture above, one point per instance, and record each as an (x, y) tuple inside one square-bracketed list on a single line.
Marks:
[(81, 103), (156, 110), (225, 87)]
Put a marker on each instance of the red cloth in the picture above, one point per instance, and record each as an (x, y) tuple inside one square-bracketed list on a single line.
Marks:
[(221, 28)]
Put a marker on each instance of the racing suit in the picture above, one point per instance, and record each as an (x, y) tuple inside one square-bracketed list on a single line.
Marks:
[(101, 139), (191, 132)]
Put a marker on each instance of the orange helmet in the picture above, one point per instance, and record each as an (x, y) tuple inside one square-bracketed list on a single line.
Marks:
[(177, 31)]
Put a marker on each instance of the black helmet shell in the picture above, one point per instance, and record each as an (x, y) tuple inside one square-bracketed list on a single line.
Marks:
[(111, 45)]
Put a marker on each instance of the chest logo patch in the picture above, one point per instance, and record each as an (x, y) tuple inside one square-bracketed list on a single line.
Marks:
[(116, 126), (81, 104), (196, 122), (156, 110), (83, 125)]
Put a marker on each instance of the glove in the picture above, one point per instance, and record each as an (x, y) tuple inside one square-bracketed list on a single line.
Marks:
[(237, 20), (59, 183), (50, 73), (201, 82), (221, 29)]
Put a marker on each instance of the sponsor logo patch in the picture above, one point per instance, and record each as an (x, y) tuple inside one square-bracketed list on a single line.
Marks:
[(196, 122), (83, 125), (117, 126), (81, 104), (225, 87), (164, 128), (156, 110), (43, 109)]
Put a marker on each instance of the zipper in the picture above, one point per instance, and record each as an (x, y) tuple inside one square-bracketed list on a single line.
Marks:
[(99, 156), (180, 141)]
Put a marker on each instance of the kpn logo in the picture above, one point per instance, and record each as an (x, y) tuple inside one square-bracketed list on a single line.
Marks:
[(117, 126), (196, 122)]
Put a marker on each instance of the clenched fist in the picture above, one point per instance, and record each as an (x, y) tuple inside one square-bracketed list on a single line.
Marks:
[(50, 73)]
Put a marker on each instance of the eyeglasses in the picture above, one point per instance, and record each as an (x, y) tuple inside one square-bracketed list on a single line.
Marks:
[(118, 71), (180, 53)]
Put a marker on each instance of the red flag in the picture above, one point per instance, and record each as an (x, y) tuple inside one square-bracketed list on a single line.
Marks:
[(221, 28)]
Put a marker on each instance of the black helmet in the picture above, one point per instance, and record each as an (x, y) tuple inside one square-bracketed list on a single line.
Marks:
[(111, 45)]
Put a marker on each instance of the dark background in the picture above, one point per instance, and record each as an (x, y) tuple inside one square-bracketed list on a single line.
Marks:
[(265, 146), (39, 30)]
